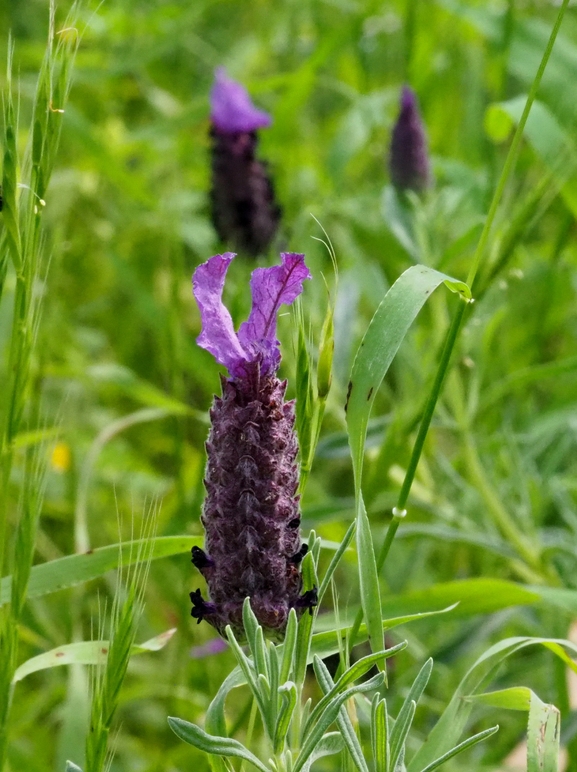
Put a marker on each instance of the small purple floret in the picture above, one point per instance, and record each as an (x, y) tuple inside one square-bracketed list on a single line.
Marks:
[(232, 110), (409, 158)]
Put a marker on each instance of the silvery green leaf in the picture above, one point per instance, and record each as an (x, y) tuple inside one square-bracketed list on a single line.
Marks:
[(343, 721), (312, 738), (288, 692), (329, 743), (220, 746), (401, 728), (469, 743)]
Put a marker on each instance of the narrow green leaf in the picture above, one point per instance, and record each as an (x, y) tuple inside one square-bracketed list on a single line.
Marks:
[(85, 653), (400, 732), (75, 569), (330, 743), (326, 643), (288, 647), (255, 638), (369, 578), (344, 722), (380, 736), (469, 743), (221, 746), (543, 736), (351, 674), (71, 767), (215, 721), (330, 715), (251, 678), (407, 712), (288, 694), (336, 559), (305, 625)]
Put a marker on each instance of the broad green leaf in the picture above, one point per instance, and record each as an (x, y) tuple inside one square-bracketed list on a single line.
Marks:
[(450, 726), (85, 653), (220, 746), (474, 596), (543, 732), (76, 569)]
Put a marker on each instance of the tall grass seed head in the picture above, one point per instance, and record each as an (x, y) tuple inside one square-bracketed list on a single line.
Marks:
[(409, 158), (251, 511), (243, 206)]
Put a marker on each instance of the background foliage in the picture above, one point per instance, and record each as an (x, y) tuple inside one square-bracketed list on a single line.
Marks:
[(117, 373)]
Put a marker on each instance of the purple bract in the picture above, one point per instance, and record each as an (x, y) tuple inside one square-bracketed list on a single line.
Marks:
[(256, 341), (232, 110)]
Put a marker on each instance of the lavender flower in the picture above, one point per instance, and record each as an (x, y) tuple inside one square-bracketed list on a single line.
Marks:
[(251, 512), (409, 159), (244, 211)]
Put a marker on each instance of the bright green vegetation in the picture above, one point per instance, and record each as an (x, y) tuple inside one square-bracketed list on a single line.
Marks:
[(467, 415)]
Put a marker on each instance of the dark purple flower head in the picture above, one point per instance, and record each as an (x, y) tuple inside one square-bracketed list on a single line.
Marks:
[(251, 511), (409, 158), (244, 210), (231, 109), (256, 340)]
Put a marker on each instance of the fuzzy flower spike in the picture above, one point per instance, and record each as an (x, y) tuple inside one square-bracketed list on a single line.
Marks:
[(409, 157), (244, 211), (251, 511)]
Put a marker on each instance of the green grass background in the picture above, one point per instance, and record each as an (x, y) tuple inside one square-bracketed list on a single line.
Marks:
[(126, 221)]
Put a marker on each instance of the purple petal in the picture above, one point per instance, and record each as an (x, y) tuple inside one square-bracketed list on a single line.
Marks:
[(271, 288), (231, 107), (217, 335)]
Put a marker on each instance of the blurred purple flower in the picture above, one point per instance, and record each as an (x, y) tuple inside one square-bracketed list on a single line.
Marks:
[(231, 108), (209, 649), (243, 207), (409, 158), (251, 512)]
